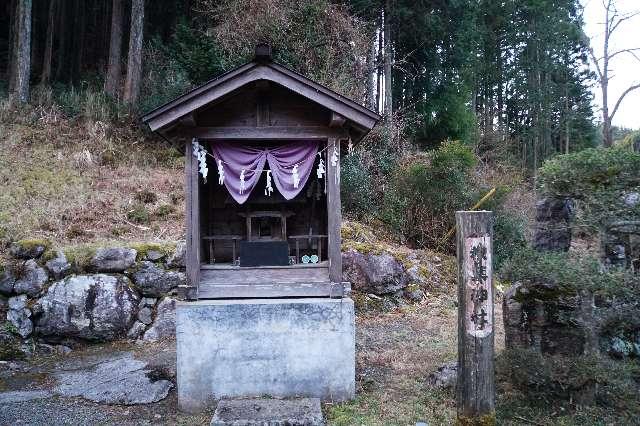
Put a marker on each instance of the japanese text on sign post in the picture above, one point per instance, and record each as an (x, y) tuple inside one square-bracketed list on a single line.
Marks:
[(478, 286)]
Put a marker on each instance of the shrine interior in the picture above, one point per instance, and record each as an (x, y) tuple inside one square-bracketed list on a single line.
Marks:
[(300, 222)]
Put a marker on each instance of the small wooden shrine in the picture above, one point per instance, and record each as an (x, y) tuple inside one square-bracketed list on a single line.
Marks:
[(263, 147), (267, 312)]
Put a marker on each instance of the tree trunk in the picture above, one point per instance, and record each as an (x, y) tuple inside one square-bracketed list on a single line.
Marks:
[(48, 45), (22, 52), (388, 101), (607, 138), (380, 60), (62, 42), (114, 69), (33, 50), (79, 41), (371, 74), (134, 61), (12, 44)]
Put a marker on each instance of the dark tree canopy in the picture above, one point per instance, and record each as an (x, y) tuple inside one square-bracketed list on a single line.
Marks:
[(507, 74)]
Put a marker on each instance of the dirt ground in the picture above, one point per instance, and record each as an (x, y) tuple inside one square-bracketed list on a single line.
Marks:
[(395, 353)]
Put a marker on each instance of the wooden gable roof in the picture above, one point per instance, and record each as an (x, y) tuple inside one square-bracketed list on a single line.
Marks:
[(359, 118)]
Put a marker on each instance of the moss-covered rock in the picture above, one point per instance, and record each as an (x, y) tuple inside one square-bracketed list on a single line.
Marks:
[(80, 257), (113, 259), (31, 279), (153, 280), (376, 265), (28, 249), (152, 251)]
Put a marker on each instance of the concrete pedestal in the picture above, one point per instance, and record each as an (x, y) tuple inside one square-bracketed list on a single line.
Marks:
[(259, 347)]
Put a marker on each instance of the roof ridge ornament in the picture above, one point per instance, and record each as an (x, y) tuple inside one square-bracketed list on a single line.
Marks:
[(263, 53)]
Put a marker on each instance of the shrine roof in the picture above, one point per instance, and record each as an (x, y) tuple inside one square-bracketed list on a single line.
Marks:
[(261, 68)]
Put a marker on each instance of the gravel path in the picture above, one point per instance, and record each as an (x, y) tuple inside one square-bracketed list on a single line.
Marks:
[(28, 390)]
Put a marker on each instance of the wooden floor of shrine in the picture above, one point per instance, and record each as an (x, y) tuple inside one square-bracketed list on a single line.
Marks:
[(221, 281)]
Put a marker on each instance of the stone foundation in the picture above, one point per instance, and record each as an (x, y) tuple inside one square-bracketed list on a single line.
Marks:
[(260, 347)]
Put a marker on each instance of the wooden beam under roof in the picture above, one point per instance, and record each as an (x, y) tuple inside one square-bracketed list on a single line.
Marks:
[(265, 133)]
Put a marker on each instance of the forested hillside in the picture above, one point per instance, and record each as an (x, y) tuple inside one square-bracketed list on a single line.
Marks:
[(507, 81), (514, 68)]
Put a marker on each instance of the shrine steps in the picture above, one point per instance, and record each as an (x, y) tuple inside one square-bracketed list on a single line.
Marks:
[(221, 282), (264, 274)]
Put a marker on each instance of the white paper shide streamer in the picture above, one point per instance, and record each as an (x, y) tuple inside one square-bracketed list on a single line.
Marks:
[(335, 163), (220, 173), (242, 186), (201, 154), (296, 177), (268, 189), (321, 169)]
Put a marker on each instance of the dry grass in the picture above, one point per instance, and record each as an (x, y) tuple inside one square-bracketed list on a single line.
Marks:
[(396, 352), (76, 180)]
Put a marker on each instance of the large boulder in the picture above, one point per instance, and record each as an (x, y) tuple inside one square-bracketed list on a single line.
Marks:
[(164, 324), (91, 307), (153, 280), (20, 316), (31, 279), (374, 273), (113, 259)]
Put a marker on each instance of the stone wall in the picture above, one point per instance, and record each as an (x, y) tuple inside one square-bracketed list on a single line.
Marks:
[(553, 224), (553, 320), (90, 294)]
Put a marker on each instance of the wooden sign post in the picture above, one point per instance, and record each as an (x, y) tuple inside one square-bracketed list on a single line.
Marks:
[(475, 390)]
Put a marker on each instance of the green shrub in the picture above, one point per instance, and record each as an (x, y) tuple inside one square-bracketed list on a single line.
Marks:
[(424, 192), (509, 237), (358, 196), (598, 180), (87, 101), (196, 53), (576, 175), (631, 141), (580, 379), (164, 210), (567, 274), (164, 79), (138, 214), (145, 196)]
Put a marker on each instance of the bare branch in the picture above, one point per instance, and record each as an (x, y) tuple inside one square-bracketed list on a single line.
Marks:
[(631, 51), (622, 19), (596, 63), (625, 93)]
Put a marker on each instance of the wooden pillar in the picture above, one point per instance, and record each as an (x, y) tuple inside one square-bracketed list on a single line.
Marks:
[(192, 215), (476, 383), (334, 212)]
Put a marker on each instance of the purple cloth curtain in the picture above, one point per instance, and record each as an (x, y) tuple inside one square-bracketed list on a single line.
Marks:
[(281, 159)]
